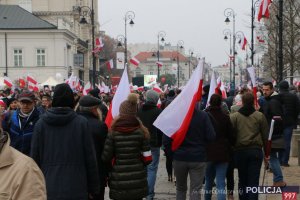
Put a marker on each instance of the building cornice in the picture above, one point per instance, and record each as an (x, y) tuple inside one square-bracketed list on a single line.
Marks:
[(51, 13)]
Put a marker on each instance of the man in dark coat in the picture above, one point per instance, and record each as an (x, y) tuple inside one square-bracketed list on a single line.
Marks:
[(89, 108), (291, 109), (148, 114), (273, 109), (63, 149), (20, 123), (95, 93)]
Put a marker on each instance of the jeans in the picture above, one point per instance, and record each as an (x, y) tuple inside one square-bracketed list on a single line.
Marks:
[(275, 166), (284, 156), (196, 172), (249, 164), (215, 170), (152, 171)]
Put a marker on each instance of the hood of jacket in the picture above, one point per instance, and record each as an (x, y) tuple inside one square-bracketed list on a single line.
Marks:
[(58, 116), (149, 106)]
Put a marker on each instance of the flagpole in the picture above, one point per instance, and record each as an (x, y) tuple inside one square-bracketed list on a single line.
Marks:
[(161, 34), (180, 44)]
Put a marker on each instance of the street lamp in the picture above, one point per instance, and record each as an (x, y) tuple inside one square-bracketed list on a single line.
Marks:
[(227, 33), (160, 37), (85, 11), (229, 12), (121, 40), (180, 44), (128, 16), (191, 52)]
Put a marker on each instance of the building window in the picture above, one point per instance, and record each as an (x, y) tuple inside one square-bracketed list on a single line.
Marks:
[(41, 57), (18, 57), (151, 73), (138, 73)]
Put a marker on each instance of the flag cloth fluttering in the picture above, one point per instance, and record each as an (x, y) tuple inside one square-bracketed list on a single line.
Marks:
[(251, 71), (243, 42), (159, 63), (110, 64), (263, 11), (134, 61), (121, 95), (87, 88), (176, 125), (8, 82), (32, 83)]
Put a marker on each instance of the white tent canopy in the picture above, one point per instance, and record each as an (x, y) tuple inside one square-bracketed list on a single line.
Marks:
[(50, 81)]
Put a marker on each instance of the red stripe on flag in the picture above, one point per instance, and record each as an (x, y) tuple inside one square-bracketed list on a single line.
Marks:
[(109, 118), (255, 96), (30, 79), (180, 134), (6, 82)]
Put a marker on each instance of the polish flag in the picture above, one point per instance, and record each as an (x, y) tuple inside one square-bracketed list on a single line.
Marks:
[(141, 88), (157, 89), (251, 71), (121, 95), (260, 39), (158, 103), (32, 84), (110, 64), (213, 87), (8, 82), (243, 42), (160, 64), (263, 11), (175, 125), (99, 45), (134, 61), (22, 83), (87, 88)]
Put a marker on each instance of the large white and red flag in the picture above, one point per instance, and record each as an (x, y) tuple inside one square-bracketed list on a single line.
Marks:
[(263, 11), (243, 42), (251, 71), (134, 61), (176, 125), (87, 88), (32, 83), (8, 82), (121, 95), (213, 87)]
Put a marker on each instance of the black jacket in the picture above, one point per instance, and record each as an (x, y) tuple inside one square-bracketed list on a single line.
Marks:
[(193, 148), (98, 132), (291, 107), (63, 149), (128, 178), (148, 114)]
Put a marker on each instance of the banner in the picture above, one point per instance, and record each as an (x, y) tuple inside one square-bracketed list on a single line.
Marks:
[(120, 60), (149, 80)]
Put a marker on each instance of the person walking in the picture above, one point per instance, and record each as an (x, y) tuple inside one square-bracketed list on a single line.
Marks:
[(62, 147), (89, 109), (218, 152), (20, 177), (127, 146), (291, 109), (148, 114), (190, 157), (20, 123), (250, 131)]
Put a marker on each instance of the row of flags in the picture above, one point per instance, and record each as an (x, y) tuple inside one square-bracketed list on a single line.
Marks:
[(32, 83)]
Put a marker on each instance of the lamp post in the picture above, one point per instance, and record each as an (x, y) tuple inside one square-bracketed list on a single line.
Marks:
[(160, 37), (129, 15), (227, 33), (180, 44), (229, 12), (191, 52), (256, 4), (85, 11)]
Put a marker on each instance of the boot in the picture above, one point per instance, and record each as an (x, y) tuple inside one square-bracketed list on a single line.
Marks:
[(279, 184)]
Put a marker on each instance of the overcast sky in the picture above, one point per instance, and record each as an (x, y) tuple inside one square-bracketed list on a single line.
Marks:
[(199, 23)]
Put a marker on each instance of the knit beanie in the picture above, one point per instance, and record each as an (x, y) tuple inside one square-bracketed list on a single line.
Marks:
[(95, 93), (283, 85), (152, 96), (129, 106), (63, 96)]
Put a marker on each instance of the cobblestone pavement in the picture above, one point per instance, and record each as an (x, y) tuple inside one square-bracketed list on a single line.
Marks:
[(167, 191)]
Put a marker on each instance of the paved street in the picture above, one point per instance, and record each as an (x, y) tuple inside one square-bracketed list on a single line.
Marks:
[(166, 190)]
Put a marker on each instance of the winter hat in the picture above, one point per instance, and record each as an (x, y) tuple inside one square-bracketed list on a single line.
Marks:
[(152, 96), (129, 106), (63, 96), (95, 93), (171, 93), (26, 95), (283, 85), (89, 101)]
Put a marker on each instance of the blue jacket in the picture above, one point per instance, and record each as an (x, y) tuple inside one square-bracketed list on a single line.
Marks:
[(20, 136)]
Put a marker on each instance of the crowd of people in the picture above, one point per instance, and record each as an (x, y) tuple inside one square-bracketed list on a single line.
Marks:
[(55, 144)]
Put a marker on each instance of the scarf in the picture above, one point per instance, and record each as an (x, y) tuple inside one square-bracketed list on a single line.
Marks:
[(126, 124), (25, 115)]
